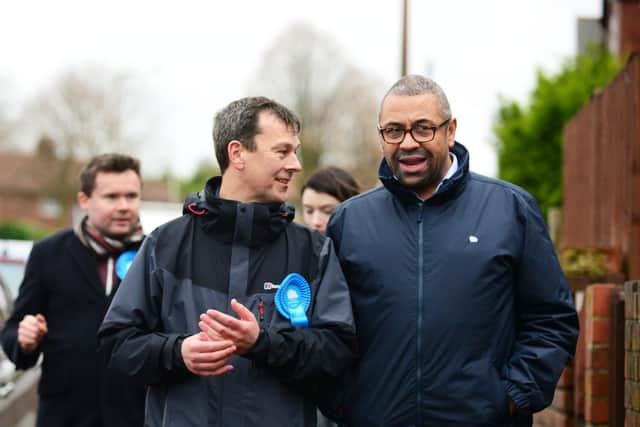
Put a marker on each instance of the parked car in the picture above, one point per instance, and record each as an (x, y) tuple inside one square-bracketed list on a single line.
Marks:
[(7, 368), (13, 258)]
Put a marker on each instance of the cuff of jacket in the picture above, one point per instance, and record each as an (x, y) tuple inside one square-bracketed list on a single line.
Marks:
[(260, 349), (520, 398), (25, 360), (173, 360)]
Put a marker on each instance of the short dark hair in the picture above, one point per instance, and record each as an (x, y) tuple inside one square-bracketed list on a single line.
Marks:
[(110, 162), (413, 85), (239, 121), (333, 181)]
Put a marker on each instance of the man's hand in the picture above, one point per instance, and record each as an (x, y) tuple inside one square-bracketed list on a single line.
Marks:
[(242, 332), (207, 357), (31, 330)]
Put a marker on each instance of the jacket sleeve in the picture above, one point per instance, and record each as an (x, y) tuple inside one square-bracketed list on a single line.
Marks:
[(130, 336), (32, 299), (547, 322), (328, 346)]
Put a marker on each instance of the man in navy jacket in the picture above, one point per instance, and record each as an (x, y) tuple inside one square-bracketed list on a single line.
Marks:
[(463, 313), (68, 284)]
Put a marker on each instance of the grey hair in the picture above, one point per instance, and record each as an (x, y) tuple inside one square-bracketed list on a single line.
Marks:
[(413, 85), (239, 121)]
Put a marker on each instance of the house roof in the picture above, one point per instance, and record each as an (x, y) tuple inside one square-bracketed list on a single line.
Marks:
[(33, 174)]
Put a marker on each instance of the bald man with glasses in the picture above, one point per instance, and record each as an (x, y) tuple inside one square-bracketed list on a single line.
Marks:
[(463, 314)]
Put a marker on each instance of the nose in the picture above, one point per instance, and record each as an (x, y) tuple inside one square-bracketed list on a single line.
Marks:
[(408, 142), (293, 164), (123, 203), (318, 221)]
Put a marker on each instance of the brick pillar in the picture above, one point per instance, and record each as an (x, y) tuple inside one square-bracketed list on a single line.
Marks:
[(596, 375), (578, 370), (632, 353)]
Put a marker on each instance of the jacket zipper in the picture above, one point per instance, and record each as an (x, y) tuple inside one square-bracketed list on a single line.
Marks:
[(419, 321)]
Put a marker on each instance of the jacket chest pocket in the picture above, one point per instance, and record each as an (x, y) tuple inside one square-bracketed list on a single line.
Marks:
[(264, 308)]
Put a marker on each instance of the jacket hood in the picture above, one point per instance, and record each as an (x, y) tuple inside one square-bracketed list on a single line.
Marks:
[(219, 215), (450, 188)]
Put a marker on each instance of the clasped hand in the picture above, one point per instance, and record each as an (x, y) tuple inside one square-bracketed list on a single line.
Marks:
[(208, 352)]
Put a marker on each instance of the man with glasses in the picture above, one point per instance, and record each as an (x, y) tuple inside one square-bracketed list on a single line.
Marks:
[(464, 316)]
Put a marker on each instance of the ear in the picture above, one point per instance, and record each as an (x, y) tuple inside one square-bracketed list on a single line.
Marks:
[(236, 150), (83, 200), (451, 132), (381, 143)]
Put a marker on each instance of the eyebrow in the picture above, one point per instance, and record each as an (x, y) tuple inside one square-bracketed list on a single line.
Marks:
[(304, 205), (419, 121), (117, 193), (285, 144)]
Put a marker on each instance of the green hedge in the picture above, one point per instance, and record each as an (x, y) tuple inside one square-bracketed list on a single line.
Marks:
[(21, 231)]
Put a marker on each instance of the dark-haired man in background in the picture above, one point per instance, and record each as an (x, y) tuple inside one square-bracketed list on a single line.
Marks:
[(68, 284)]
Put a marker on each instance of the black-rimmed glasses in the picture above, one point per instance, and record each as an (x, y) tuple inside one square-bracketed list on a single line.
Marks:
[(420, 133)]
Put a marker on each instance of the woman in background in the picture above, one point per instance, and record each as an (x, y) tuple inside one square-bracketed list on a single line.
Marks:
[(323, 192)]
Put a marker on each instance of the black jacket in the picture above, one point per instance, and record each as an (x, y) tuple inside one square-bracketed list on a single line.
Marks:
[(218, 250), (76, 389)]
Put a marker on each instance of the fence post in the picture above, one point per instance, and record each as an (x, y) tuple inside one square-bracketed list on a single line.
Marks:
[(616, 360)]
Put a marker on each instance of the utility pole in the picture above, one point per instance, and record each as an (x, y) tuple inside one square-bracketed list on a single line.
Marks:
[(405, 37)]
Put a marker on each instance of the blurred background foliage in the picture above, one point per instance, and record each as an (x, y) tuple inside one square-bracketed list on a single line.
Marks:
[(529, 136), (15, 230)]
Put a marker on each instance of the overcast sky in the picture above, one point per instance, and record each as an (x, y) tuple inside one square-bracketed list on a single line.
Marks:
[(196, 56)]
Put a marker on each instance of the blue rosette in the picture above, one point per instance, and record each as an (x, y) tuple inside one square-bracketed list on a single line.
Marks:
[(293, 298), (124, 262)]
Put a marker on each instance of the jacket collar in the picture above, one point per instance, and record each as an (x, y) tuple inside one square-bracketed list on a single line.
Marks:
[(219, 215), (85, 261), (450, 188)]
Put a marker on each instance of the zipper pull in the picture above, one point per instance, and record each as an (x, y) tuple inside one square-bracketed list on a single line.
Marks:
[(260, 309)]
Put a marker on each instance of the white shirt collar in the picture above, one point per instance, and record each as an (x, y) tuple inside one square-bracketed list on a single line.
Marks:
[(452, 170)]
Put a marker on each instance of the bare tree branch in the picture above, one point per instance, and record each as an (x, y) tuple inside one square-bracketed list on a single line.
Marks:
[(86, 112), (306, 71)]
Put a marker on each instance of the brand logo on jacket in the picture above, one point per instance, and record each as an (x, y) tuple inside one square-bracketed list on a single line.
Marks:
[(473, 239)]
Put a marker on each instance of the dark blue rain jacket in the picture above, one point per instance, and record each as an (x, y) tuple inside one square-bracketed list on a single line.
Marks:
[(459, 301)]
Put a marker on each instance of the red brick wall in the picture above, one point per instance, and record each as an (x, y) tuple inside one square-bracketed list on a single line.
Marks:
[(627, 36), (582, 394), (596, 330), (632, 353)]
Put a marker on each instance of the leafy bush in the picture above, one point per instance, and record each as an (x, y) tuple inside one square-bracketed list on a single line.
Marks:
[(577, 262), (20, 231), (529, 137)]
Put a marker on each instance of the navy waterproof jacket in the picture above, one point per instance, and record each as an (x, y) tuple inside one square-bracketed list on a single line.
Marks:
[(459, 301)]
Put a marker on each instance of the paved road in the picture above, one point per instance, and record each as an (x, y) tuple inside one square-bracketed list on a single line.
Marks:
[(29, 420), (18, 408)]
